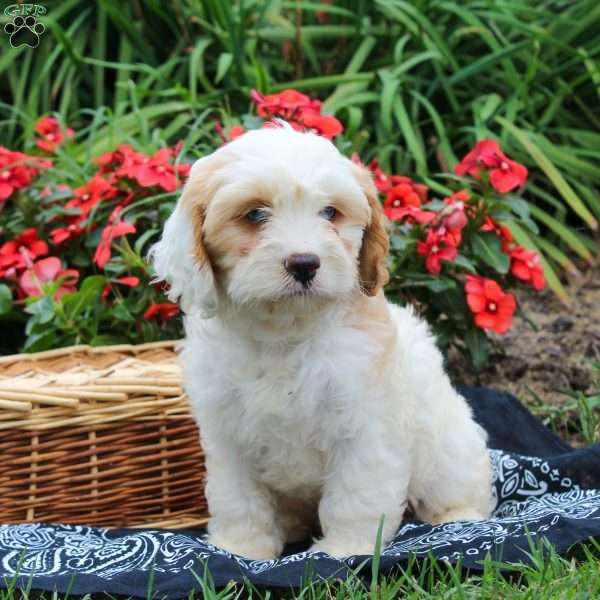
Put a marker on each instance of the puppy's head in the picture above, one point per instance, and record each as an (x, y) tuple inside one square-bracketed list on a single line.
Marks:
[(273, 216)]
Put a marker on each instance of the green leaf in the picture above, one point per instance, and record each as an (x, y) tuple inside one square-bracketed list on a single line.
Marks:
[(435, 284), (477, 345), (74, 304), (107, 340), (223, 65), (488, 248), (465, 263), (42, 309), (38, 342), (5, 299)]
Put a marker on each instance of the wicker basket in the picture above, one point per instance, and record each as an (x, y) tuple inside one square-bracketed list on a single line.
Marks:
[(99, 436)]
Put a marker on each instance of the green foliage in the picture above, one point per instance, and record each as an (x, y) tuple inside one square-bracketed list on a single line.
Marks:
[(415, 83)]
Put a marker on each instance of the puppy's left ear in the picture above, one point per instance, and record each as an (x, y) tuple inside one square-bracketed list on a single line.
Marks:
[(375, 243), (179, 257)]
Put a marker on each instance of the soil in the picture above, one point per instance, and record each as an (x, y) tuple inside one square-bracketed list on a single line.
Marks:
[(540, 365)]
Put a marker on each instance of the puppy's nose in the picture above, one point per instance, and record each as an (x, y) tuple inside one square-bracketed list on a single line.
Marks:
[(302, 267)]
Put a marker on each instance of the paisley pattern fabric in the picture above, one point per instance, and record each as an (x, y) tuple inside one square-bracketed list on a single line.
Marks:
[(537, 497)]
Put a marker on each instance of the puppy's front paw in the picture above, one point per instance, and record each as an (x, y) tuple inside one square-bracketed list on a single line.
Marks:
[(458, 514), (255, 547), (344, 548)]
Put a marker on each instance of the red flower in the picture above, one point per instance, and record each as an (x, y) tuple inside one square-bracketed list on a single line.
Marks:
[(156, 170), (381, 180), (502, 231), (403, 192), (453, 216), (46, 271), (436, 248), (299, 110), (148, 171), (526, 266), (114, 229), (17, 170), (90, 194), (411, 215), (493, 308), (234, 132), (504, 174), (62, 234), (287, 104), (51, 135), (19, 253), (324, 125), (129, 281), (166, 310)]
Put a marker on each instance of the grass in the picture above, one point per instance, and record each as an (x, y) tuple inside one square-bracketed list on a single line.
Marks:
[(548, 576), (578, 417)]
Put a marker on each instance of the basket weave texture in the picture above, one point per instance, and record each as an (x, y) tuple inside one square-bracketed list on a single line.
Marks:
[(99, 436)]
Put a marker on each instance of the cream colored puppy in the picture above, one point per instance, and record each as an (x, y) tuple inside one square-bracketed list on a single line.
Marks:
[(317, 400)]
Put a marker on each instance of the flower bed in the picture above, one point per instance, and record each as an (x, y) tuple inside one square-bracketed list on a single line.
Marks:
[(72, 254)]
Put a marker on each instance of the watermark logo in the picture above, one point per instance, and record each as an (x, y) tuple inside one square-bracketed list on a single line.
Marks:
[(24, 29)]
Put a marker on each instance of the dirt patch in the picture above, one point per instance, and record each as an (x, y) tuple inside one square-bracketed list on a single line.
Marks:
[(540, 365)]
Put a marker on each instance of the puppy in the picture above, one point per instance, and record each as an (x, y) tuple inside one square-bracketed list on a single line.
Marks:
[(317, 400)]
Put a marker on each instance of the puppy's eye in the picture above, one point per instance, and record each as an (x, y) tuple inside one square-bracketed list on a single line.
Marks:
[(329, 213), (257, 215)]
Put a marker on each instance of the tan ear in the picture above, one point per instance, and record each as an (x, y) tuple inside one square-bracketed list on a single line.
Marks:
[(375, 244), (180, 257)]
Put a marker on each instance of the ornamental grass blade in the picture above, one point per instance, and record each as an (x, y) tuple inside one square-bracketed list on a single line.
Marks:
[(562, 231)]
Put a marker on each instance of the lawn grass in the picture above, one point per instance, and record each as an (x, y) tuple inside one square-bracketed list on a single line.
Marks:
[(548, 576)]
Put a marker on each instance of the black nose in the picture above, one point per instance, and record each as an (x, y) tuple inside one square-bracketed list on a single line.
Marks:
[(302, 267)]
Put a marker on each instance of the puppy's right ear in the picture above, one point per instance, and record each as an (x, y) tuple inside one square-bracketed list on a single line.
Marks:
[(179, 257)]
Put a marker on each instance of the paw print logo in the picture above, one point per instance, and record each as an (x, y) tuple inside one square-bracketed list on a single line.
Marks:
[(24, 31)]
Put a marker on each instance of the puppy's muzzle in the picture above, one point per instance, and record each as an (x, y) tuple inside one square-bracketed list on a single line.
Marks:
[(302, 267)]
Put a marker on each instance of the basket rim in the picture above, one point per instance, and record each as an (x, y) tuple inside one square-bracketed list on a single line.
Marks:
[(87, 349)]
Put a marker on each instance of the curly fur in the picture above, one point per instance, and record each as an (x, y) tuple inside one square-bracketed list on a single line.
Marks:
[(318, 404)]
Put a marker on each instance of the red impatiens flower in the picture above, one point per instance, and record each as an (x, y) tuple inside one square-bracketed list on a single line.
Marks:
[(525, 265), (324, 125), (435, 248), (505, 174), (114, 229), (46, 271), (493, 308), (127, 280), (148, 171), (17, 170), (453, 215), (94, 191), (72, 230), (51, 135), (502, 231), (234, 132), (411, 214), (287, 104), (299, 110), (19, 253), (166, 310), (380, 178), (403, 192)]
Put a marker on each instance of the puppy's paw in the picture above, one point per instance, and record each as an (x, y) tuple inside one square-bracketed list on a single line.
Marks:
[(344, 548), (255, 547), (458, 514)]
